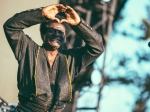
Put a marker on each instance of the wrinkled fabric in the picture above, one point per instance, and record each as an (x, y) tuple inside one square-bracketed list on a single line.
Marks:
[(25, 51)]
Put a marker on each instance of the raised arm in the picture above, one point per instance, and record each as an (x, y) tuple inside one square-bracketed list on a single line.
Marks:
[(82, 57), (14, 26)]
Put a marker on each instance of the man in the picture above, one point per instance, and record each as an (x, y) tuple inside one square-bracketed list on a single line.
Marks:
[(45, 73)]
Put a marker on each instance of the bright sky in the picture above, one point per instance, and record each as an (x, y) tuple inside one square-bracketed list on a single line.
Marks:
[(115, 97)]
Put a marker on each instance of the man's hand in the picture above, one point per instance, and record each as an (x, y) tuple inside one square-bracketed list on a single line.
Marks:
[(72, 17), (51, 11)]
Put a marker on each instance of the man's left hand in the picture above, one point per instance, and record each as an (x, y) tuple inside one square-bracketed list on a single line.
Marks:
[(72, 17)]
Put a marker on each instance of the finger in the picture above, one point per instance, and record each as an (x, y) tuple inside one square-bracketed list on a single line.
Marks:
[(64, 20), (61, 8), (50, 7), (56, 19), (72, 12), (69, 9), (67, 14), (59, 5)]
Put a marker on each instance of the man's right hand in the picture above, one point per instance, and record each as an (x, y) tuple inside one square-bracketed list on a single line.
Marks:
[(51, 11)]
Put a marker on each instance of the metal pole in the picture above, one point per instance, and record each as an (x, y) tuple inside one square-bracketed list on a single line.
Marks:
[(75, 101)]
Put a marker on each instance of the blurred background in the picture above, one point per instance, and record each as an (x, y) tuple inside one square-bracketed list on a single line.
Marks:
[(119, 80)]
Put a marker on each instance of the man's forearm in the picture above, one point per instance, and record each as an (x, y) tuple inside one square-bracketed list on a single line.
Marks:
[(92, 39), (23, 20)]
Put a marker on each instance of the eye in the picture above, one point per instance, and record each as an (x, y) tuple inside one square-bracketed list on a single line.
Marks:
[(50, 30), (60, 32)]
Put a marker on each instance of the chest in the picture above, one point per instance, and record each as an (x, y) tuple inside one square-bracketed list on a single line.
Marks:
[(51, 60)]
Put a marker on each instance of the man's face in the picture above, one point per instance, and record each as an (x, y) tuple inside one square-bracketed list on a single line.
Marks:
[(55, 36)]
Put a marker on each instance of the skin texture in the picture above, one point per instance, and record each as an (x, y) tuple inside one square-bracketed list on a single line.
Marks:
[(72, 18)]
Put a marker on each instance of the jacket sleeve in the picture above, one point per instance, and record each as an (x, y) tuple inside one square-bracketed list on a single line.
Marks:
[(14, 26), (79, 58)]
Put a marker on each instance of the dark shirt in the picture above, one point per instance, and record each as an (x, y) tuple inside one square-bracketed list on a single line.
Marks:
[(25, 51)]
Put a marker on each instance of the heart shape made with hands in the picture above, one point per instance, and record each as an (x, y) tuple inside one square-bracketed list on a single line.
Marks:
[(51, 11)]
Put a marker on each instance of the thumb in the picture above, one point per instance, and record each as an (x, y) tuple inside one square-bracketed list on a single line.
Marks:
[(56, 19), (64, 20)]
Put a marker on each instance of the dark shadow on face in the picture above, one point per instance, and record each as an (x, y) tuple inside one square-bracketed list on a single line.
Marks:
[(54, 36)]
